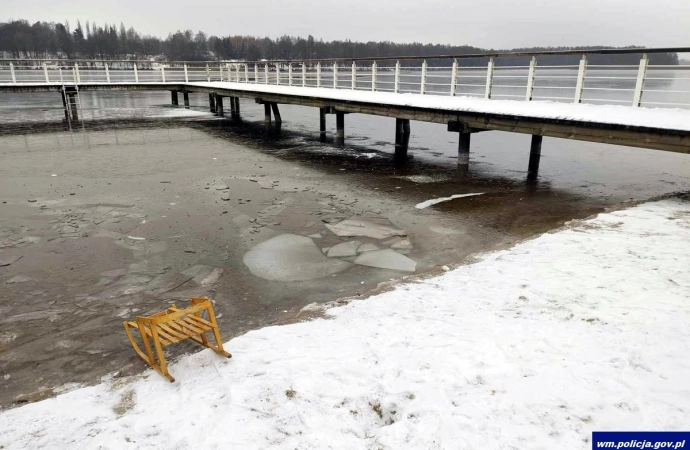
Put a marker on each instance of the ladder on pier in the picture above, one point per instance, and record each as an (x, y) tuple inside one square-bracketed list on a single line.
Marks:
[(72, 104)]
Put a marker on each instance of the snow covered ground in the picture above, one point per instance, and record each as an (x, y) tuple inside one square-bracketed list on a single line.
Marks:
[(533, 347)]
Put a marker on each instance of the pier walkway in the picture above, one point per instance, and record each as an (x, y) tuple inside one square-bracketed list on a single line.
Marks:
[(639, 105)]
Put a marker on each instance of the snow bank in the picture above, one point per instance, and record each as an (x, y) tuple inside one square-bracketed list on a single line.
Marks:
[(666, 118), (534, 347)]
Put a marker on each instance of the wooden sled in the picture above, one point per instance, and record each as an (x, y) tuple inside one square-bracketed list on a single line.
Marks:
[(175, 325)]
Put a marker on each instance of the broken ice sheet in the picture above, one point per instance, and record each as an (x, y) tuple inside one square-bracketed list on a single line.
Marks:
[(405, 244), (290, 257), (351, 227), (386, 259), (367, 248), (434, 201), (344, 249)]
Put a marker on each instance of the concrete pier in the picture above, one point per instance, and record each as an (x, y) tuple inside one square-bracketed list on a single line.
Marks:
[(185, 96), (173, 95), (267, 116), (464, 150), (276, 115), (534, 157), (237, 108), (402, 137), (212, 102), (322, 124), (219, 106), (340, 128)]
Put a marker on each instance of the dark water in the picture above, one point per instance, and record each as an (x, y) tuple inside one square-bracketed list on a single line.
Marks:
[(586, 168)]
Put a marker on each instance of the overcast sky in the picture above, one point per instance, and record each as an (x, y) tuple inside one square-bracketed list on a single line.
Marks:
[(483, 23)]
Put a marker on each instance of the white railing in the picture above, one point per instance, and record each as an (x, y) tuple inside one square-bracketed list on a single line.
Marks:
[(641, 84)]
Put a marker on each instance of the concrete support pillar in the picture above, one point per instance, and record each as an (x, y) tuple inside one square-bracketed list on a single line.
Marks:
[(185, 96), (173, 94), (212, 103), (402, 137), (534, 157), (406, 132), (233, 111), (237, 106), (464, 150), (276, 116), (267, 116), (322, 124), (219, 106), (340, 128)]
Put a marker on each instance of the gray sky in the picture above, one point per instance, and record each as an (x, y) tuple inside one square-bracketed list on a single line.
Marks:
[(484, 23)]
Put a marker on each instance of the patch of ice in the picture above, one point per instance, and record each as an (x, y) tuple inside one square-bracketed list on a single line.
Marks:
[(367, 248), (404, 244), (290, 257), (344, 249), (349, 227), (386, 259), (434, 201)]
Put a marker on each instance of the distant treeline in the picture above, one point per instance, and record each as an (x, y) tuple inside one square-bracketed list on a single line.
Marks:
[(47, 40)]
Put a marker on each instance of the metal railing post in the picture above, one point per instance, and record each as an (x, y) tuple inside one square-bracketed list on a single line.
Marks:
[(373, 76), (266, 73), (186, 74), (45, 72), (246, 73), (453, 77), (163, 73), (489, 77), (278, 74), (304, 75), (77, 77), (220, 71), (14, 77), (318, 75), (136, 73), (107, 73), (335, 75), (579, 86), (530, 78), (290, 74), (208, 74), (396, 85), (354, 75), (422, 83), (256, 73), (639, 85), (60, 72)]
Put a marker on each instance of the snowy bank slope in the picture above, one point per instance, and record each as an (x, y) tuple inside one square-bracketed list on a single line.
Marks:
[(584, 329)]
